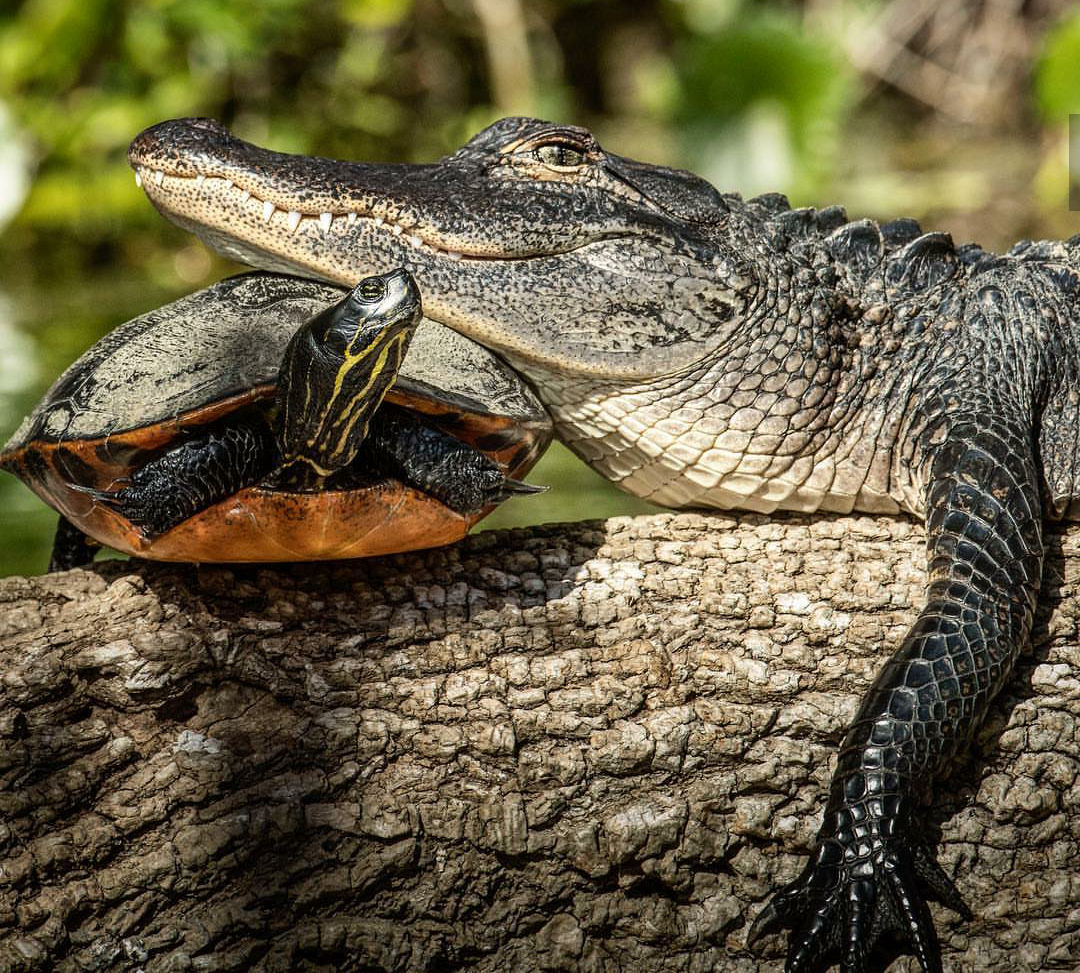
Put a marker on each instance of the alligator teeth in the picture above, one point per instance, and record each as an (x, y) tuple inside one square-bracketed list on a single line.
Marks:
[(379, 221), (325, 220), (228, 183), (415, 241), (199, 180), (159, 176), (395, 229), (453, 255), (268, 211), (292, 220), (138, 179), (244, 195), (350, 220)]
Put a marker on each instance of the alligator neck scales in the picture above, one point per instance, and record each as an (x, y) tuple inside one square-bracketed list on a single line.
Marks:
[(703, 350)]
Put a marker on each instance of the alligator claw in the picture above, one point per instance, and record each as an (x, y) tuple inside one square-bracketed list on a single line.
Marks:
[(769, 920), (928, 871), (846, 900)]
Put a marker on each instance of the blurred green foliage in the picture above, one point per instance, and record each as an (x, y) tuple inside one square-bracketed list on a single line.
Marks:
[(754, 94), (374, 79), (1057, 74), (783, 95)]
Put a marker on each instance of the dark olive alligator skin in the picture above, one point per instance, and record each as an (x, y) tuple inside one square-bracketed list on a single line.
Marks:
[(703, 350)]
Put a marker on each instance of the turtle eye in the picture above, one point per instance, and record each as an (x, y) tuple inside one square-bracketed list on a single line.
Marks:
[(371, 289), (560, 154)]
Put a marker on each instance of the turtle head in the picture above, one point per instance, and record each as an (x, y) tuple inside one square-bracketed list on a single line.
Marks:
[(335, 372)]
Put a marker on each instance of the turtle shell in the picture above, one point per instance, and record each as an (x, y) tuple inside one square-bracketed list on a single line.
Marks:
[(163, 376)]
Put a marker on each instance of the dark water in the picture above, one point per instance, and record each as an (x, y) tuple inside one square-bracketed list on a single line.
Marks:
[(44, 329)]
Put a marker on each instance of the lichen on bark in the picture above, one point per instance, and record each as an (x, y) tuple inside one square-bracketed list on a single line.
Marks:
[(589, 747)]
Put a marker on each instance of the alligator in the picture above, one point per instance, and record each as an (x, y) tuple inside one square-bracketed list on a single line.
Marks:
[(701, 350)]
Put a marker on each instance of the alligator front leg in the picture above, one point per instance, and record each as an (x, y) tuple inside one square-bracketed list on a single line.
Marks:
[(984, 539)]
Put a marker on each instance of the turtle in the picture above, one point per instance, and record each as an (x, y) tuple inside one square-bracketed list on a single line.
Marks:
[(274, 418)]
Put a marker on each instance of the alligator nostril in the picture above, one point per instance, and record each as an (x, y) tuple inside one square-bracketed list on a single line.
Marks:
[(166, 136), (212, 124)]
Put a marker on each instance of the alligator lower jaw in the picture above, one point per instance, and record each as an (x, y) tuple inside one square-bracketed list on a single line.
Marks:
[(217, 207)]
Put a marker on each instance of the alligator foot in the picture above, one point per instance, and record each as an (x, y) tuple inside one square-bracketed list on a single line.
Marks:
[(849, 897)]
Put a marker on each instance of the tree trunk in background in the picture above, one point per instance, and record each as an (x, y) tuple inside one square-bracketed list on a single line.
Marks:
[(592, 747)]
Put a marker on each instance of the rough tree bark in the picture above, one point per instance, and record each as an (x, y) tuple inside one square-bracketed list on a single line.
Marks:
[(592, 747)]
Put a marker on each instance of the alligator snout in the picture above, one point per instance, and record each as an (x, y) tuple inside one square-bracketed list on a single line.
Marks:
[(173, 145)]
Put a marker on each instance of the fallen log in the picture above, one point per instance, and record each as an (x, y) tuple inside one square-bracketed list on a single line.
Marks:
[(590, 747)]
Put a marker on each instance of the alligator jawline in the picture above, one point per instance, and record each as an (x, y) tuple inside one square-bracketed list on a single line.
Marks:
[(151, 180)]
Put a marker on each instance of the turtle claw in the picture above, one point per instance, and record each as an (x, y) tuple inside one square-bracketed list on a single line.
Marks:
[(122, 501), (128, 502), (110, 498), (844, 903), (487, 487), (512, 487)]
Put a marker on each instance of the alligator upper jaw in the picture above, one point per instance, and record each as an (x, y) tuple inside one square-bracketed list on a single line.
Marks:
[(202, 177)]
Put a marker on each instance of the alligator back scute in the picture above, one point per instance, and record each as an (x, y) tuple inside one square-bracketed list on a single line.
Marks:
[(830, 218), (900, 231), (925, 262), (859, 246), (796, 224), (970, 253), (1066, 279), (769, 204), (1061, 251)]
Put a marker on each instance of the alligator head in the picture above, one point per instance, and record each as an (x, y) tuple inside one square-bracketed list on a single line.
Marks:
[(530, 239)]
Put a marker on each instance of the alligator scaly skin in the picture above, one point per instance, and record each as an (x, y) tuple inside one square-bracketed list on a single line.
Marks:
[(703, 350), (970, 435), (952, 396)]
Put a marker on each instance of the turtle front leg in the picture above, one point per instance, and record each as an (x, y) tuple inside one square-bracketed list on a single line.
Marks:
[(451, 471), (71, 547), (985, 548), (194, 475)]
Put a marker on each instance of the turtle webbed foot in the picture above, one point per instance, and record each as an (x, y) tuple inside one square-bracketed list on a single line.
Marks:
[(451, 471), (852, 895), (71, 547), (192, 476), (469, 482)]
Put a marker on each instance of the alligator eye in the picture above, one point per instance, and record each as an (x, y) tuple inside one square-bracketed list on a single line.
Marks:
[(372, 289), (559, 154)]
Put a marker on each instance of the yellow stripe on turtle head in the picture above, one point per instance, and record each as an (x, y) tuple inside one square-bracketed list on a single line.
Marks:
[(364, 401), (338, 368)]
